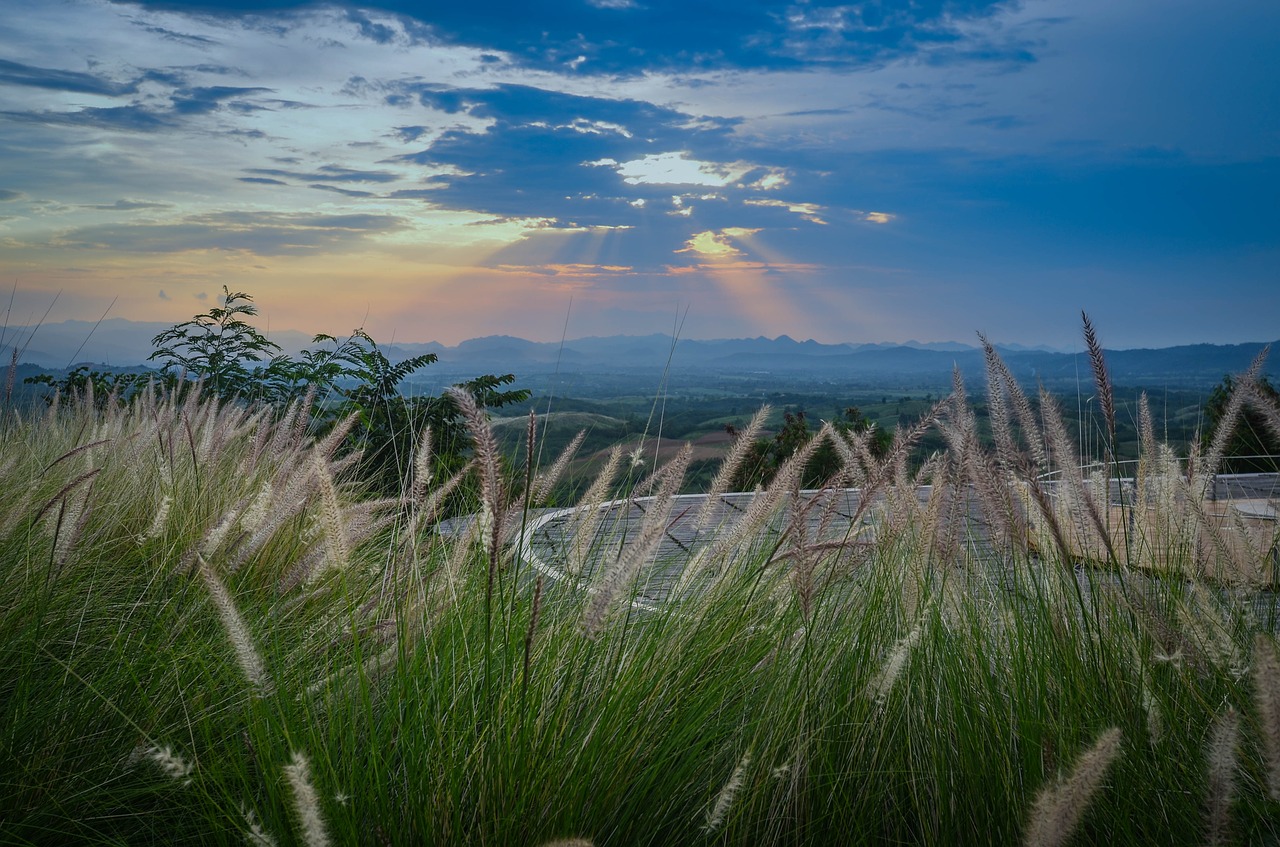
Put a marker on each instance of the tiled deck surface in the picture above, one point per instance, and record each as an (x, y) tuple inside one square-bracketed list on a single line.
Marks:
[(550, 538)]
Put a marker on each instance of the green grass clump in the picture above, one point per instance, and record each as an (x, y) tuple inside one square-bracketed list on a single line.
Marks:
[(211, 635)]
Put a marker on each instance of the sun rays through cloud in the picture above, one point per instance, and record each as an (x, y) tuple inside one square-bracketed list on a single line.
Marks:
[(395, 159)]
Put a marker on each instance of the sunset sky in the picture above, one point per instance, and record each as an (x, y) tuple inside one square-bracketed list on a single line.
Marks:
[(875, 171)]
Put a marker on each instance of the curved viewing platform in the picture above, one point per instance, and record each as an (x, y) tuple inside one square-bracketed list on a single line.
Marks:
[(1240, 511)]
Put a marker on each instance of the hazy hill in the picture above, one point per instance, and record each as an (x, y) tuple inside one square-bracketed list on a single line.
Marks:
[(122, 343)]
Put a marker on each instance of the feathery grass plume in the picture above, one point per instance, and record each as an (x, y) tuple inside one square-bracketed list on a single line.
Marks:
[(1151, 707), (328, 446), (488, 457), (306, 802), (335, 535), (569, 842), (635, 554), (591, 512), (998, 411), (262, 430), (1147, 444), (218, 533), (281, 434), (11, 375), (1221, 756), (545, 481), (428, 510), (1106, 397), (71, 520), (530, 450), (729, 467), (728, 793), (171, 764), (1266, 694), (1228, 564), (1230, 419), (241, 642), (1265, 406), (1067, 461), (159, 521), (303, 419), (882, 683), (256, 835), (1059, 808), (358, 522), (259, 507), (532, 629), (1018, 398), (295, 481), (855, 457), (421, 467), (786, 483)]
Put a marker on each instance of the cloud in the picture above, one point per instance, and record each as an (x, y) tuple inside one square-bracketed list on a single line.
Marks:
[(261, 180), (329, 173), (260, 233), (179, 37), (809, 211), (202, 100), (8, 195), (377, 32), (878, 217), (15, 73), (674, 169), (575, 158), (346, 192), (135, 118), (717, 244), (126, 205), (630, 37)]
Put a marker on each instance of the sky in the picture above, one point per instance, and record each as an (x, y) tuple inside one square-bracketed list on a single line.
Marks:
[(846, 172)]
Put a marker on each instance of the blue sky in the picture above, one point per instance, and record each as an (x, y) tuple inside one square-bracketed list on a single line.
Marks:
[(858, 172)]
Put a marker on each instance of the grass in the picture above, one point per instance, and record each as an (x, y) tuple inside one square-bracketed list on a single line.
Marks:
[(211, 635)]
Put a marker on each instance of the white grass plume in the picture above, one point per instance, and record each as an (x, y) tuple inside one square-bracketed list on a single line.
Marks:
[(1221, 755), (306, 802), (335, 535), (724, 800), (256, 835), (487, 459), (763, 505), (247, 657), (882, 683), (1230, 418), (1059, 808), (159, 521), (421, 467), (545, 481), (171, 764), (635, 554), (1266, 694), (729, 468), (591, 512)]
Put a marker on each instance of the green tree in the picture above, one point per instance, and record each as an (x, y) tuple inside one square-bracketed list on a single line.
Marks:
[(221, 347), (106, 386), (217, 347)]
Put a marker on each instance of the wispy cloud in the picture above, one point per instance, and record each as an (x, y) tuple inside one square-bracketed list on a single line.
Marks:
[(16, 73), (258, 233)]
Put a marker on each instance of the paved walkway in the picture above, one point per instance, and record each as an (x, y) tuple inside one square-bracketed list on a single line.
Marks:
[(552, 540)]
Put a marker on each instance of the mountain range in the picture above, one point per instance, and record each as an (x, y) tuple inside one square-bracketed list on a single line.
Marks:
[(118, 342)]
